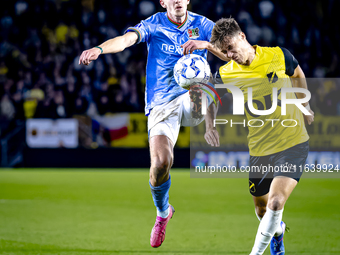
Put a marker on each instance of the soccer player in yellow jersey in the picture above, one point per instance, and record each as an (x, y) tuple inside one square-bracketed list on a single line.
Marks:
[(271, 144)]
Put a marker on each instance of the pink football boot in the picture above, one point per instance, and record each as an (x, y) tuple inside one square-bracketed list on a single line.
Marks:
[(158, 230)]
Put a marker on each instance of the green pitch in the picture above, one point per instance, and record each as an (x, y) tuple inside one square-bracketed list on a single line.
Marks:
[(108, 212)]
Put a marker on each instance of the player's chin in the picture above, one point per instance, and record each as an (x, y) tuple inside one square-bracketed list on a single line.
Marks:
[(180, 12)]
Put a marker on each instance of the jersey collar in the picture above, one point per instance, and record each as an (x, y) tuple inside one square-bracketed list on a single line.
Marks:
[(257, 54), (178, 25)]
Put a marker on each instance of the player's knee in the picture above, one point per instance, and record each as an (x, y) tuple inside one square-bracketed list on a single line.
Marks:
[(276, 202), (159, 171)]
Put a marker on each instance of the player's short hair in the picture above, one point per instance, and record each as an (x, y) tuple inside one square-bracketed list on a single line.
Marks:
[(223, 30)]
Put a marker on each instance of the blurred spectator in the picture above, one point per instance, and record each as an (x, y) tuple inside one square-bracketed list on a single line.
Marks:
[(44, 109), (80, 106), (7, 107), (40, 44)]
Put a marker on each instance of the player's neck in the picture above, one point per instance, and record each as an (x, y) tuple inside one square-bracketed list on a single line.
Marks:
[(251, 54), (177, 19)]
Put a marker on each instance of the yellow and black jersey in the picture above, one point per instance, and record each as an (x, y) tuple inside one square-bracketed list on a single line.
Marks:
[(271, 67)]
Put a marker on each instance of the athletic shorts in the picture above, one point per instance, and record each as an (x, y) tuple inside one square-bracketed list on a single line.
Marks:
[(166, 119), (287, 163)]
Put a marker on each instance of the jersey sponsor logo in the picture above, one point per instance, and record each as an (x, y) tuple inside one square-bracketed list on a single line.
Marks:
[(193, 33), (172, 48)]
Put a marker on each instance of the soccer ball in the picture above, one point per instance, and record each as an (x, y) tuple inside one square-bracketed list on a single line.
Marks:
[(191, 69)]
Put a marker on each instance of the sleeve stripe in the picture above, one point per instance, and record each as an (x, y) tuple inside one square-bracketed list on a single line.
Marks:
[(132, 29), (290, 62)]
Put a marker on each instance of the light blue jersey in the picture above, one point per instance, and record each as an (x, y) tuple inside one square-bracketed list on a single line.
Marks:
[(164, 38)]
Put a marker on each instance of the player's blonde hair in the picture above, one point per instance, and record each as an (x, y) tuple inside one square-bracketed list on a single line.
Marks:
[(223, 30)]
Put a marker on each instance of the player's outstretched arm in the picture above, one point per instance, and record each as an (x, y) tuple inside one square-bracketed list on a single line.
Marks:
[(192, 45), (211, 134), (114, 45), (299, 80)]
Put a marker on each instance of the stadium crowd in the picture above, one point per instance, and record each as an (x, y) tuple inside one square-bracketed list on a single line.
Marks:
[(41, 41)]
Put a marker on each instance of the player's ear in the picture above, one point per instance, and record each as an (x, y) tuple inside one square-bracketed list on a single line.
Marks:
[(242, 36), (162, 3)]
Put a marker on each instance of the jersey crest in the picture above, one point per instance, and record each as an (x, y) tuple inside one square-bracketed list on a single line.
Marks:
[(193, 33)]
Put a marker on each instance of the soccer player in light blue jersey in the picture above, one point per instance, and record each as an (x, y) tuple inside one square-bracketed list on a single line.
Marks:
[(168, 36)]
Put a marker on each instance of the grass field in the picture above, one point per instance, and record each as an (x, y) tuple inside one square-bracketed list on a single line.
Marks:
[(108, 212)]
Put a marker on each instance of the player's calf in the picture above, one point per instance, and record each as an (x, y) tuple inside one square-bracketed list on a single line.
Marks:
[(260, 211), (260, 205)]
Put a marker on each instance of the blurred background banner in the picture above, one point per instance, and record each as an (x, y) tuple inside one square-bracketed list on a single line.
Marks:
[(325, 133), (47, 133), (41, 80)]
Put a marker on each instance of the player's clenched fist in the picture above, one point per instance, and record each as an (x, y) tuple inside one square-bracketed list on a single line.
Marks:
[(89, 55), (212, 137)]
